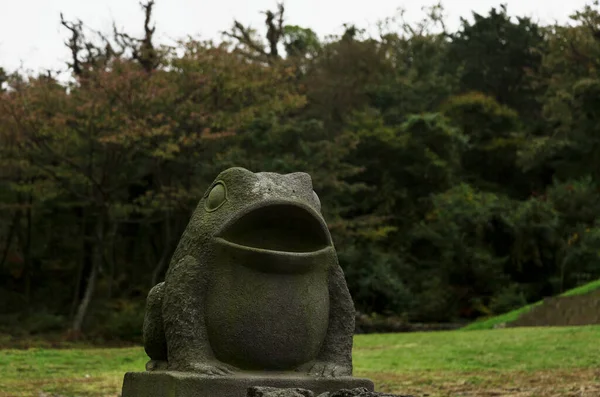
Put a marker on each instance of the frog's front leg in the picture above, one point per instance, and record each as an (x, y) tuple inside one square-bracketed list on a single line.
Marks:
[(335, 357), (188, 347)]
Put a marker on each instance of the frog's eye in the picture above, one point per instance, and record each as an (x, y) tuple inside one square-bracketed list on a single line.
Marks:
[(316, 197), (216, 197)]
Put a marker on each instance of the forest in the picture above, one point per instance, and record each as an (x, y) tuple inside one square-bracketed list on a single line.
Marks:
[(459, 171)]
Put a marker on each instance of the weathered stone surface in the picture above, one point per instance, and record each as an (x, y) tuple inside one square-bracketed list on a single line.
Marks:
[(254, 284), (274, 392), (184, 384), (258, 391), (254, 296), (359, 392)]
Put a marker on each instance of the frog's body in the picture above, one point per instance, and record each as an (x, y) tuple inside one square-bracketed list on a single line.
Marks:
[(254, 284)]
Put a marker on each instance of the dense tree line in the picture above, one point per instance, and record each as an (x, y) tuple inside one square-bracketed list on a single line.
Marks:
[(459, 171)]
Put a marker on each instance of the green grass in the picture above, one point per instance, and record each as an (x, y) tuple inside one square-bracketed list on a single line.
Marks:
[(81, 371), (584, 289), (527, 349), (491, 322), (435, 362)]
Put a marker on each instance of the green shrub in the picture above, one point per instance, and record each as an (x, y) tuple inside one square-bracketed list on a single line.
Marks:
[(120, 320), (453, 248), (376, 280), (507, 299), (39, 322)]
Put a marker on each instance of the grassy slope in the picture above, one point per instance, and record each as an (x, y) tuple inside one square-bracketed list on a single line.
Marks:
[(489, 323), (436, 363)]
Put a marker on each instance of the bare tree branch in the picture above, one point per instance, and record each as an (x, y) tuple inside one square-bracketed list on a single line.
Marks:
[(74, 43), (142, 50), (244, 36), (275, 29)]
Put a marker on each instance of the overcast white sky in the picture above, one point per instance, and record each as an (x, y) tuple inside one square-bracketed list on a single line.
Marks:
[(31, 35)]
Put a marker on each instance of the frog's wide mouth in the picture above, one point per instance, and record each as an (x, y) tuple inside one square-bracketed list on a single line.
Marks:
[(280, 228)]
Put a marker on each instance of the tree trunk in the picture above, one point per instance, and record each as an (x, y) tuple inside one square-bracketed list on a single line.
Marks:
[(91, 284), (25, 241), (27, 254), (84, 261), (11, 234), (111, 259)]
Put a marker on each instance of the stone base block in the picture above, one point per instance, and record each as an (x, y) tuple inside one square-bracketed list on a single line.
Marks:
[(183, 384)]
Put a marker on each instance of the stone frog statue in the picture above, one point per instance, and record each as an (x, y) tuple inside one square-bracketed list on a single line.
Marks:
[(254, 285)]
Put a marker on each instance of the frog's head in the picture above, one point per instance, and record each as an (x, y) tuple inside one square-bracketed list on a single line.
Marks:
[(265, 220)]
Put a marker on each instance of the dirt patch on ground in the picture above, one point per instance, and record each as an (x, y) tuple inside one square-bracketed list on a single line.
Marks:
[(555, 383), (57, 341), (563, 311), (550, 383), (366, 324)]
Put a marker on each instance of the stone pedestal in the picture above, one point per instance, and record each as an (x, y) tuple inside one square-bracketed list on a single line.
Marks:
[(183, 384)]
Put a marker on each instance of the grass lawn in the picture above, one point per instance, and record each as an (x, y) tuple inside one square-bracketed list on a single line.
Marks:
[(490, 323), (523, 362)]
